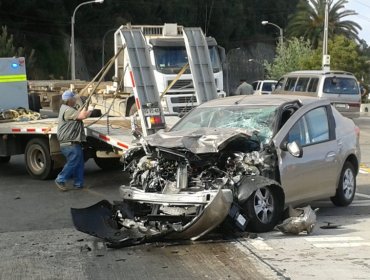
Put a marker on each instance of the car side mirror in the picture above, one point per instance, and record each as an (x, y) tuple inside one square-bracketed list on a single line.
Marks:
[(294, 149)]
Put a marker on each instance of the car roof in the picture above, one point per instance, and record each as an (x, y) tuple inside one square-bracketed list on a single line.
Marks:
[(268, 100), (319, 72), (266, 81)]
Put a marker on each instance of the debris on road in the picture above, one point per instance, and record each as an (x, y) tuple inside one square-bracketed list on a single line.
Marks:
[(300, 220), (330, 225)]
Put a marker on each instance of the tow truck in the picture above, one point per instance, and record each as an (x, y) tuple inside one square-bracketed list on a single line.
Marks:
[(107, 137)]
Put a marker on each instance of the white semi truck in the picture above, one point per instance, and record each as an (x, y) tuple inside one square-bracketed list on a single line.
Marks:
[(107, 137), (168, 56)]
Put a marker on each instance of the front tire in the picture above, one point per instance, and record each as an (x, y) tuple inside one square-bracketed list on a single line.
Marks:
[(4, 159), (38, 160), (346, 187), (264, 209)]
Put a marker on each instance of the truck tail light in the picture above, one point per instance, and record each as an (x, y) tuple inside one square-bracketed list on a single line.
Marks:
[(155, 120)]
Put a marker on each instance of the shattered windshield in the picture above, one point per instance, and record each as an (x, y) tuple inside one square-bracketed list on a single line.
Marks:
[(170, 60), (258, 119)]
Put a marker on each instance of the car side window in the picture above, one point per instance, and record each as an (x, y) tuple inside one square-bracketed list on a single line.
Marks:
[(312, 86), (318, 125), (290, 84), (302, 84), (279, 84), (312, 128)]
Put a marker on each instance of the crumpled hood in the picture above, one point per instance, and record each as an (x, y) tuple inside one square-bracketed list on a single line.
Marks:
[(198, 141)]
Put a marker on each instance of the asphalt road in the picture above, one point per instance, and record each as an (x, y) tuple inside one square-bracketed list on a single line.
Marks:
[(38, 241)]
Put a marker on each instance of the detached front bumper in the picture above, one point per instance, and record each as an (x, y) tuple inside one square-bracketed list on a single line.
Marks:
[(104, 220)]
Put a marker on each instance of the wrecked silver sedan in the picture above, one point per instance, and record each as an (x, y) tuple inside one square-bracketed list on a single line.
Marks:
[(234, 162)]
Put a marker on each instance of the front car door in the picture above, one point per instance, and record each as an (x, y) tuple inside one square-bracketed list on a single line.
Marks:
[(313, 175)]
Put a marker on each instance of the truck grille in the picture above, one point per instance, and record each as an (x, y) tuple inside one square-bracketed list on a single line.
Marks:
[(181, 84), (184, 99), (182, 109)]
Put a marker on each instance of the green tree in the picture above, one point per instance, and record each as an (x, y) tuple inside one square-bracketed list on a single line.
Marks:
[(7, 48), (344, 55), (308, 21), (293, 55)]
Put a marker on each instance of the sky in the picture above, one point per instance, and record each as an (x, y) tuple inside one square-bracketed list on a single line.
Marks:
[(362, 7)]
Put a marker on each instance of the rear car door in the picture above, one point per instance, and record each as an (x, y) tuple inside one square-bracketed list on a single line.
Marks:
[(314, 174)]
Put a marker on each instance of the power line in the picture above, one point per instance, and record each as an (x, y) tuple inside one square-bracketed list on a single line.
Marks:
[(366, 5)]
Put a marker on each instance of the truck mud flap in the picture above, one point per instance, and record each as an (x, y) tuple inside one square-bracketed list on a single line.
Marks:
[(98, 220)]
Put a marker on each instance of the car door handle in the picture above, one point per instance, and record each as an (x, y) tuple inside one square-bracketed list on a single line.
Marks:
[(331, 156)]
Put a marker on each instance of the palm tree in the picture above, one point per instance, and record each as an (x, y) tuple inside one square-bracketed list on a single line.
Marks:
[(308, 21)]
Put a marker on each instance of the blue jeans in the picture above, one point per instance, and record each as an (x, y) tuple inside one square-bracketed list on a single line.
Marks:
[(74, 168)]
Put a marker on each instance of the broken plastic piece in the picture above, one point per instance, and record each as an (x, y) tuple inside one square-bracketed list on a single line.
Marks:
[(300, 220)]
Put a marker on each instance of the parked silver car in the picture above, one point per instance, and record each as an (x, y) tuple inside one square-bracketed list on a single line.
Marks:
[(238, 161)]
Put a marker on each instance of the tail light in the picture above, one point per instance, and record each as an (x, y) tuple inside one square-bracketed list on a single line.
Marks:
[(155, 120)]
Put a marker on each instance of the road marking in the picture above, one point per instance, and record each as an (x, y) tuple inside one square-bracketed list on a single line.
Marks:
[(260, 245), (334, 239), (337, 241), (355, 203), (364, 169), (341, 245), (358, 203), (362, 195)]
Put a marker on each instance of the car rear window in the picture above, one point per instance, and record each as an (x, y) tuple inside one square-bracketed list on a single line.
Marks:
[(340, 85)]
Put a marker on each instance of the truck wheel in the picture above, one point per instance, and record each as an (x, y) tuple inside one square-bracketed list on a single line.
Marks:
[(264, 209), (108, 163), (5, 159), (347, 186), (38, 160)]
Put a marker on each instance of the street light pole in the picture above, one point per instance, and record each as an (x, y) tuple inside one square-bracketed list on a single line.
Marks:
[(281, 37), (325, 56), (73, 57)]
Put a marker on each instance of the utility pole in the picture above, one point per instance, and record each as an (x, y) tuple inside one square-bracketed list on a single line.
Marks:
[(325, 56)]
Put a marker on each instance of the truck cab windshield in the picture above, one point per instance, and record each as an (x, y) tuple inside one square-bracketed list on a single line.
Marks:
[(170, 60)]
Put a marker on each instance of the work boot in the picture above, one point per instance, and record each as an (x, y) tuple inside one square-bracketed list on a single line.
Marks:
[(61, 186)]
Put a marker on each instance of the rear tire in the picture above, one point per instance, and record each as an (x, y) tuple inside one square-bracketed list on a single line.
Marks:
[(4, 159), (346, 187), (264, 209), (38, 160), (108, 163)]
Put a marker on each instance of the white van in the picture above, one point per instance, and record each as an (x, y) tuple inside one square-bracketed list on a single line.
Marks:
[(263, 86), (340, 87)]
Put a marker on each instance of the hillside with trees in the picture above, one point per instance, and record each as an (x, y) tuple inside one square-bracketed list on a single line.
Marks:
[(41, 30), (44, 26)]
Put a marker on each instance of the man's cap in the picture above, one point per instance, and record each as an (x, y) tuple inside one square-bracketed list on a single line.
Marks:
[(67, 95)]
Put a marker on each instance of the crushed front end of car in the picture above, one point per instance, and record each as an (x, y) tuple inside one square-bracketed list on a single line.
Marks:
[(183, 185)]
